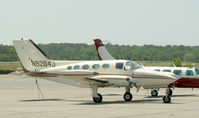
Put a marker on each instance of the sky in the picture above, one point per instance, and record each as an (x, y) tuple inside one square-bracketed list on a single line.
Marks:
[(128, 22)]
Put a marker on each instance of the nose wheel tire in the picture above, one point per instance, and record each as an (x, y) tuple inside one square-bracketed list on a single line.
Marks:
[(166, 99), (97, 99), (154, 93), (127, 96)]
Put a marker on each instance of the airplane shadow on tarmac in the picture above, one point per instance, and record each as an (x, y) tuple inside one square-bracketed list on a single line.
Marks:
[(85, 102), (122, 102), (153, 100), (38, 100)]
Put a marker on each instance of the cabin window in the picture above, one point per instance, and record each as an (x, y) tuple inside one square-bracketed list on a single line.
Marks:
[(96, 66), (105, 66), (166, 70), (85, 67), (119, 65), (177, 72), (69, 67), (157, 70), (76, 67), (189, 72), (197, 71)]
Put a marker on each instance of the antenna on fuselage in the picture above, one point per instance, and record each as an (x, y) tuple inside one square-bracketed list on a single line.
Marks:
[(141, 64), (173, 64)]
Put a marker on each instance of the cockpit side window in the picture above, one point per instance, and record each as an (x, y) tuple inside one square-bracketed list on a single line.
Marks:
[(119, 65), (197, 71), (131, 65)]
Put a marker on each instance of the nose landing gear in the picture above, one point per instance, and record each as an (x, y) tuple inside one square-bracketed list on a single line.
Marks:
[(167, 97)]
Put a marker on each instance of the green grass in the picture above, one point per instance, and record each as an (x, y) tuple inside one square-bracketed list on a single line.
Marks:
[(9, 65)]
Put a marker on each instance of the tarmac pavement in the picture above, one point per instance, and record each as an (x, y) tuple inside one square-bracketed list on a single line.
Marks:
[(19, 98)]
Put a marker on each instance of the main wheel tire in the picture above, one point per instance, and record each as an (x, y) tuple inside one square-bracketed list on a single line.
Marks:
[(166, 99), (154, 93), (98, 99), (127, 96)]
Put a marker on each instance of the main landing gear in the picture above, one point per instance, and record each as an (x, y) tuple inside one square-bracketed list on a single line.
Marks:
[(97, 98), (127, 95)]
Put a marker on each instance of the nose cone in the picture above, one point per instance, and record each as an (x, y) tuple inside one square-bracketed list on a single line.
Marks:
[(167, 78)]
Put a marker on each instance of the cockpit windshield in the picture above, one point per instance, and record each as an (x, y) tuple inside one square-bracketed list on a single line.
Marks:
[(131, 65), (197, 71)]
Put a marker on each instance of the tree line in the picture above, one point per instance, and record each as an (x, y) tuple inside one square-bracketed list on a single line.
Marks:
[(70, 51)]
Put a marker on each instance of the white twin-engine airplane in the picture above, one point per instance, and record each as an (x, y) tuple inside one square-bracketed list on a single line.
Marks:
[(92, 74)]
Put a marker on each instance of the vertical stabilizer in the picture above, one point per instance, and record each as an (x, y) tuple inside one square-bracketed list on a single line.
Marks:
[(102, 52), (32, 58)]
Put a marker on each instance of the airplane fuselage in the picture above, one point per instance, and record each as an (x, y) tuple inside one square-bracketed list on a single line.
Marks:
[(75, 72)]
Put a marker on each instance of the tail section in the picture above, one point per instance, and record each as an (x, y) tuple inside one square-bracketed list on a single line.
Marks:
[(102, 52), (32, 58)]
